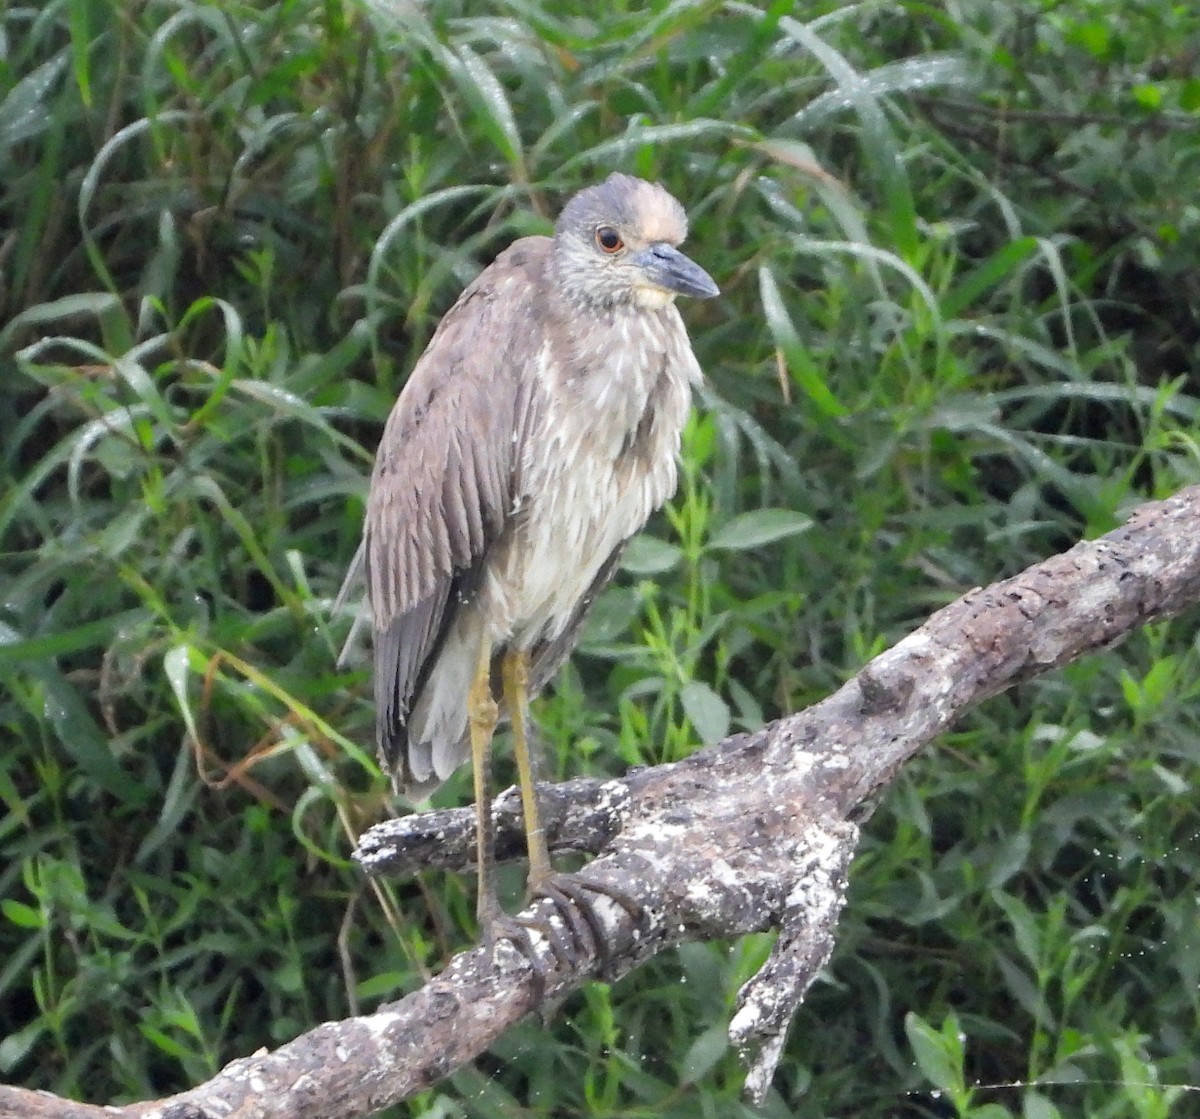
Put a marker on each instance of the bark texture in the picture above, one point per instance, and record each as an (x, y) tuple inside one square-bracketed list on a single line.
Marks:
[(753, 833)]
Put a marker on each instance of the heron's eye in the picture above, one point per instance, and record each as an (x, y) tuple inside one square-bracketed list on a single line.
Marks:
[(609, 240)]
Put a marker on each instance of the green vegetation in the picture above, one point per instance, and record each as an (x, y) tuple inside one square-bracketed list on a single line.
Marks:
[(959, 329)]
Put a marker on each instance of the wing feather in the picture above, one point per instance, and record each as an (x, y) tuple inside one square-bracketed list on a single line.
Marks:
[(443, 486)]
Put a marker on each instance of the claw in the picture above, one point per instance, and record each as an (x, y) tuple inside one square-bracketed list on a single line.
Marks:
[(573, 898), (516, 932), (627, 903), (572, 913)]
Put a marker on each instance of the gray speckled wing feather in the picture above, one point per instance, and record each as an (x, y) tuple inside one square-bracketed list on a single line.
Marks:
[(444, 481)]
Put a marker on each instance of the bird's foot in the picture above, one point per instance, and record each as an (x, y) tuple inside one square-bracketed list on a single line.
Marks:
[(500, 926), (578, 931), (574, 900), (517, 931)]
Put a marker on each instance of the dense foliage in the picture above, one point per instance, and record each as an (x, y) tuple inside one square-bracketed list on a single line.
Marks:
[(959, 329)]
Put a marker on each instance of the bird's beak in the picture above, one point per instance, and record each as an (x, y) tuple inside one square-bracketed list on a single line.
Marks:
[(666, 268)]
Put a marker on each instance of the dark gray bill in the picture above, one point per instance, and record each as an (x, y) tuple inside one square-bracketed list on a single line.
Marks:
[(666, 267)]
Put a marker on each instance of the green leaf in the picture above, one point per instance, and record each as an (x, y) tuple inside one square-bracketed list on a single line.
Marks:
[(21, 914), (704, 1053), (15, 649), (757, 528), (478, 82), (880, 145), (981, 280), (1035, 1106), (686, 134), (81, 738), (176, 664), (936, 1057), (647, 555), (15, 1047), (409, 214), (706, 711), (67, 307), (1161, 684), (1148, 96), (164, 1042), (23, 112), (801, 366), (1025, 926), (1094, 37), (388, 984), (81, 40), (12, 797)]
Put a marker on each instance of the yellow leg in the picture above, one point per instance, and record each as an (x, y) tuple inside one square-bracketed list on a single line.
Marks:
[(516, 698), (482, 714)]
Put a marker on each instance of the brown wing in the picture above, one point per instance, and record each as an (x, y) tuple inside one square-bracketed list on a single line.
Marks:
[(443, 485)]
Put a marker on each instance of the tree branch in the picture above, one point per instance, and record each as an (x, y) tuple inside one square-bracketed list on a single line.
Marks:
[(753, 833)]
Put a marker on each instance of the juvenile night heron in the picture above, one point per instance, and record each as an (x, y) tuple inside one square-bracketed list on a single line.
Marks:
[(537, 433)]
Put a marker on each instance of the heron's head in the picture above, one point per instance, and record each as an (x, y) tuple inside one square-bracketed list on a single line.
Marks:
[(616, 245)]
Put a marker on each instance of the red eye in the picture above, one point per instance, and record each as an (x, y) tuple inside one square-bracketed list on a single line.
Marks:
[(609, 239)]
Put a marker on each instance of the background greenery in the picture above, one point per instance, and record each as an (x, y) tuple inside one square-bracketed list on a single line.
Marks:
[(959, 329)]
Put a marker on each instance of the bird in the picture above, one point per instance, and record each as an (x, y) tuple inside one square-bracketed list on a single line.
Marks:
[(536, 434)]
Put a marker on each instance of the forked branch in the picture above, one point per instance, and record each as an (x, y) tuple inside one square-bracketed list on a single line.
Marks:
[(753, 833)]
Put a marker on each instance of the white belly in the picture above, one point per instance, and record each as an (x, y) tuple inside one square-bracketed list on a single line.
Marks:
[(573, 526), (599, 462)]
